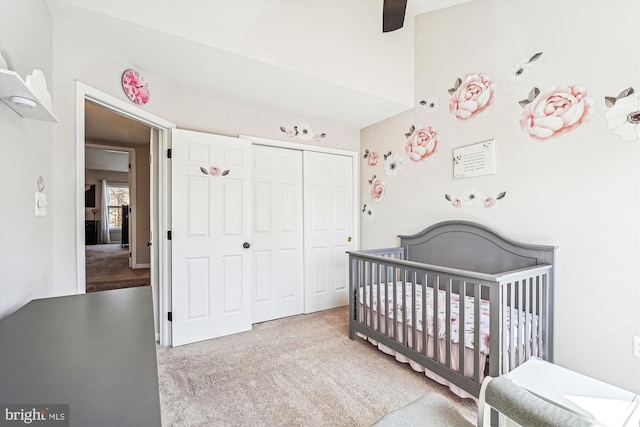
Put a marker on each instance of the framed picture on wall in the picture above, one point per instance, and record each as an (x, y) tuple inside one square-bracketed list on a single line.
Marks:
[(474, 160), (90, 197)]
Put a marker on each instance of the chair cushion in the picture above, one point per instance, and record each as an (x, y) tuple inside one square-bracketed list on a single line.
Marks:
[(527, 409)]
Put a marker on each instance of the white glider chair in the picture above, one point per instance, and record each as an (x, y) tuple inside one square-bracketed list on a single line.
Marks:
[(519, 406)]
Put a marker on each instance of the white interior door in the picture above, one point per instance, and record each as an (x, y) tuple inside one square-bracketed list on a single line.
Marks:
[(329, 228), (211, 220), (278, 283)]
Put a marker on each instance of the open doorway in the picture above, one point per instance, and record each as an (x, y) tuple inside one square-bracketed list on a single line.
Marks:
[(117, 191)]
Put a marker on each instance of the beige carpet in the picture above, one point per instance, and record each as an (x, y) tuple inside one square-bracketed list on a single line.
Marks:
[(298, 371), (107, 267)]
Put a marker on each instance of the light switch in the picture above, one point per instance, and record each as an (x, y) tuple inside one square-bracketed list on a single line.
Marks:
[(41, 204)]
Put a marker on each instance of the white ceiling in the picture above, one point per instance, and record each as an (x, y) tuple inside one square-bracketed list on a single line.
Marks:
[(106, 160), (232, 77)]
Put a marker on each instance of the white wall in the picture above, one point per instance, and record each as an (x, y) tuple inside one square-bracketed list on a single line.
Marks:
[(25, 154), (340, 41), (578, 191), (78, 59)]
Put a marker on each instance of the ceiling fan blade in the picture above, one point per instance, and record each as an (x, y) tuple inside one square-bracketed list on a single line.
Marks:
[(393, 14)]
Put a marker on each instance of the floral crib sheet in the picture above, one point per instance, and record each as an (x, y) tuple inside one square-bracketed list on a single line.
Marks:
[(455, 309)]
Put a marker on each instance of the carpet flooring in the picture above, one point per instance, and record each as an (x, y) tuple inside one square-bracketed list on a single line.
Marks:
[(107, 267), (298, 371)]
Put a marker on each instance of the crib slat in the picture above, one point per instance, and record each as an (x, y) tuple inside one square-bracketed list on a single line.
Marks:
[(527, 321), (394, 298), (462, 294), (414, 320), (447, 311), (403, 273), (503, 329), (376, 279), (497, 348), (519, 325), (512, 313), (547, 314), (378, 292), (425, 350), (385, 283), (434, 320), (534, 314), (540, 317), (477, 344), (361, 287)]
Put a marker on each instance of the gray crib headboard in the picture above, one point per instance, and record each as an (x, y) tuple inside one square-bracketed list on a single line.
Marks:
[(470, 246)]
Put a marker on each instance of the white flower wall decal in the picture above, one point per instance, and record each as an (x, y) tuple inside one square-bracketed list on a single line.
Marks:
[(369, 212), (304, 132), (475, 198), (522, 69), (431, 105), (623, 115), (392, 164)]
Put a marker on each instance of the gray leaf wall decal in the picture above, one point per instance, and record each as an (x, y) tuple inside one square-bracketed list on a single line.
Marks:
[(535, 57)]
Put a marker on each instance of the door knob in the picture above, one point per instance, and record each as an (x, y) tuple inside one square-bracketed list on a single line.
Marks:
[(148, 244), (246, 245)]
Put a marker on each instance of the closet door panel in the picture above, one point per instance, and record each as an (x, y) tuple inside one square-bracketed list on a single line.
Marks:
[(329, 227), (277, 231)]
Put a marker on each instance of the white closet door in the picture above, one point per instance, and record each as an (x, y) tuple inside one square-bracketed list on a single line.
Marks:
[(277, 233), (211, 220), (328, 217)]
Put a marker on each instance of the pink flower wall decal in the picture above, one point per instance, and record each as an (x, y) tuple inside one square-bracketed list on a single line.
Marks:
[(304, 132), (421, 143), (472, 197), (371, 156), (471, 96), (214, 171), (559, 110), (376, 189)]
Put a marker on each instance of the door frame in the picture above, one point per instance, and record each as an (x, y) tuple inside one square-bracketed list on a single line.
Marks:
[(132, 196), (160, 255)]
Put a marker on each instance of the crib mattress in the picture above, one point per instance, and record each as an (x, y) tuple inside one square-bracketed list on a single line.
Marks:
[(397, 309)]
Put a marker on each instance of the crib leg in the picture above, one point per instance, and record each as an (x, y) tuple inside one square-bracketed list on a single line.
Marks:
[(352, 334)]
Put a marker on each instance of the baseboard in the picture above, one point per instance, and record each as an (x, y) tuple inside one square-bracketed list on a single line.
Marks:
[(147, 265)]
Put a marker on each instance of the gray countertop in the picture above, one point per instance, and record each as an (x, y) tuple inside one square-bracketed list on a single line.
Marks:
[(95, 352)]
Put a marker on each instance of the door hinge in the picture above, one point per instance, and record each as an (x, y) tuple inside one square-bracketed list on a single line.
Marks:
[(170, 316), (129, 254), (169, 235), (129, 165), (169, 153)]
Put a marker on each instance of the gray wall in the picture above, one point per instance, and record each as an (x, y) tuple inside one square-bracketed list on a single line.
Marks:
[(579, 191)]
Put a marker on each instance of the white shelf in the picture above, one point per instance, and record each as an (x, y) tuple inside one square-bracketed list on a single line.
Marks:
[(12, 85)]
